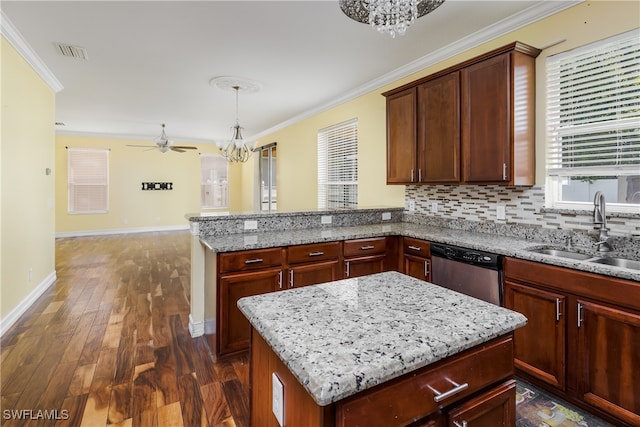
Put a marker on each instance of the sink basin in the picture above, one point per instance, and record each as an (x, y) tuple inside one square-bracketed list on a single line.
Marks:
[(561, 253), (618, 262)]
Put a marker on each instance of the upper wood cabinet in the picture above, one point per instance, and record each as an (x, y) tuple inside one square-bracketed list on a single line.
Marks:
[(471, 123)]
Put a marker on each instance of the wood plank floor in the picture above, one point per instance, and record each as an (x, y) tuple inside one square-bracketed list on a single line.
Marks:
[(108, 343)]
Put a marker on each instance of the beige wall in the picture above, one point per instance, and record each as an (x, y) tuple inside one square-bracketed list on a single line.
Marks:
[(130, 208), (297, 159), (27, 195)]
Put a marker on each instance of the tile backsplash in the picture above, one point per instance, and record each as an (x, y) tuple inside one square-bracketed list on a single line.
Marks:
[(522, 206)]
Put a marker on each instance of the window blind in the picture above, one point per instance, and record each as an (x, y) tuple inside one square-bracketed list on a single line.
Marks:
[(593, 102), (214, 184), (88, 180), (338, 165)]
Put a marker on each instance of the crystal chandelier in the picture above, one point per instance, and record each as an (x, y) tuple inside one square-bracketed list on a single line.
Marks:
[(388, 16), (236, 149)]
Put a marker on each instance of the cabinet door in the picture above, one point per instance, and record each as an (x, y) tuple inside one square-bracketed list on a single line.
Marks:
[(495, 408), (356, 267), (540, 345), (609, 359), (439, 130), (486, 121), (417, 267), (311, 274), (233, 328), (401, 136)]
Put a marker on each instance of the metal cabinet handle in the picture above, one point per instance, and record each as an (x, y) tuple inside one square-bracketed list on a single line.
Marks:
[(579, 315), (367, 247), (411, 175), (558, 312), (457, 424), (415, 248), (419, 175), (291, 278), (426, 269), (316, 253), (504, 171), (280, 279), (457, 388), (253, 261), (347, 269)]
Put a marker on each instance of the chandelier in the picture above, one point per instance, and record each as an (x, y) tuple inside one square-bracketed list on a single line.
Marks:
[(236, 149), (388, 16)]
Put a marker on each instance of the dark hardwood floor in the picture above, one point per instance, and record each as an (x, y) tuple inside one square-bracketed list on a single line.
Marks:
[(108, 343)]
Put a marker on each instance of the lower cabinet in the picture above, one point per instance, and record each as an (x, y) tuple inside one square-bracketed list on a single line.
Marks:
[(582, 337), (417, 258), (313, 264), (364, 256)]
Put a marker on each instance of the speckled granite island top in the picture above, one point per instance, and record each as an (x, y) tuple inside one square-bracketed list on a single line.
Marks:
[(344, 337)]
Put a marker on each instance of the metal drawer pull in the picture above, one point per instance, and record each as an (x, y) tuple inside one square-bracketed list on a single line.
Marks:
[(457, 424), (280, 279), (347, 275), (558, 312), (316, 253), (426, 269), (291, 278), (253, 261), (457, 388), (415, 248), (366, 248)]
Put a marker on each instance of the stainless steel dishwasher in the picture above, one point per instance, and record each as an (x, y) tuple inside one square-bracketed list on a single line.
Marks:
[(474, 273)]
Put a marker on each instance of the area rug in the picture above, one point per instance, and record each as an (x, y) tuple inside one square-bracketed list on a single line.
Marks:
[(535, 408)]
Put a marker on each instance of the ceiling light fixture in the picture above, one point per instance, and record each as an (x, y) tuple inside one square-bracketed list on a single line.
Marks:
[(236, 149), (388, 16)]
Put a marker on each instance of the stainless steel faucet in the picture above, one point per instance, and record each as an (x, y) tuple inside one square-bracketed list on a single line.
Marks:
[(600, 218)]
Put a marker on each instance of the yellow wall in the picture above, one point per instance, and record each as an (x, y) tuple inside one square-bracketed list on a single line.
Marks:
[(297, 158), (130, 208), (27, 195)]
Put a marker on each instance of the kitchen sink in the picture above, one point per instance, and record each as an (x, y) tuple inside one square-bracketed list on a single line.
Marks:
[(562, 253), (618, 262)]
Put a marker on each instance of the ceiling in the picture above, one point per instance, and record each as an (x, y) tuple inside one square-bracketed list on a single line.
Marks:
[(150, 62)]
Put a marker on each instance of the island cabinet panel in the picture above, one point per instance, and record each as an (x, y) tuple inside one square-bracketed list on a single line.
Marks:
[(492, 409), (423, 392), (599, 317), (233, 328), (365, 256), (608, 359), (540, 345), (401, 137), (417, 258)]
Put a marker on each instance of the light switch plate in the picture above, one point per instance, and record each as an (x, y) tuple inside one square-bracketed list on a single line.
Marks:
[(277, 390), (386, 216), (326, 219), (412, 205), (501, 213), (434, 207), (251, 225)]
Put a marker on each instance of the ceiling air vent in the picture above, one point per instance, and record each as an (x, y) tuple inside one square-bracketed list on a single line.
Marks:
[(71, 51)]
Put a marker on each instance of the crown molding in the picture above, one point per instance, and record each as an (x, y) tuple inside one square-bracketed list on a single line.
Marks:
[(533, 14), (148, 138), (13, 36)]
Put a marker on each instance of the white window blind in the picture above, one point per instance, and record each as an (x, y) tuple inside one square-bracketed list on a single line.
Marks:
[(214, 184), (593, 109), (338, 165), (88, 180)]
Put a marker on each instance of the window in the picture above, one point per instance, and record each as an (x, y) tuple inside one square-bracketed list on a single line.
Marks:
[(338, 166), (593, 119), (214, 185), (88, 180)]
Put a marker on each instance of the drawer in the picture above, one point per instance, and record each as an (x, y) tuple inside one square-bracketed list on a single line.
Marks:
[(249, 260), (416, 247), (415, 395), (363, 247), (313, 252)]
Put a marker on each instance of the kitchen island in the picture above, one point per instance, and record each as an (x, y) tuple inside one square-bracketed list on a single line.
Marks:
[(384, 349)]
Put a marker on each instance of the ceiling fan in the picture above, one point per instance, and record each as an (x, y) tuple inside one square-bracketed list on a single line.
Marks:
[(164, 144)]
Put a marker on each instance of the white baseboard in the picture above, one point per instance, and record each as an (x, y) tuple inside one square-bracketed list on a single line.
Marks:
[(122, 231), (10, 319), (197, 329), (210, 326)]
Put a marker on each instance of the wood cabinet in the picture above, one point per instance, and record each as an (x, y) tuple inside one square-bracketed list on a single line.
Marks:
[(364, 256), (312, 264), (243, 274), (496, 407), (596, 366), (417, 258), (472, 123)]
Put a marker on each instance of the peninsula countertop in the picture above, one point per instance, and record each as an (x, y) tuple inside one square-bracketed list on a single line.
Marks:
[(343, 337)]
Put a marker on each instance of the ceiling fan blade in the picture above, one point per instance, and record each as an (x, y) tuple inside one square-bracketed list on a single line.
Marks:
[(178, 149), (145, 146), (185, 147)]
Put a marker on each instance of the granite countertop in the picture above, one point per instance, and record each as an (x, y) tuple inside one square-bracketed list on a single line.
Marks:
[(343, 337), (501, 245)]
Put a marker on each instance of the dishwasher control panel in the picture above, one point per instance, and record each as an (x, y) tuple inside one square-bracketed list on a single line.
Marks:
[(469, 256)]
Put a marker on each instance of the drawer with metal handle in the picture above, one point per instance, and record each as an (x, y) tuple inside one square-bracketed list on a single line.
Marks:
[(363, 247), (249, 260), (313, 252)]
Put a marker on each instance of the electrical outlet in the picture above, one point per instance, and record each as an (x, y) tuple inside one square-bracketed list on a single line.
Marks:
[(326, 219), (386, 216), (251, 225), (501, 213), (277, 391), (434, 207), (412, 205)]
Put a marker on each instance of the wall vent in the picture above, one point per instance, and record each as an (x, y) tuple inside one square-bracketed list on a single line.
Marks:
[(71, 51), (60, 124)]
